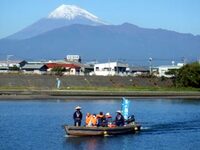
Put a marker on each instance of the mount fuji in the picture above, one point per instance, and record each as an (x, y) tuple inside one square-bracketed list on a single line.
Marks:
[(62, 16), (72, 30)]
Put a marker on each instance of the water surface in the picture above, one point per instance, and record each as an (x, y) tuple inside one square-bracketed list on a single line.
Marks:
[(167, 124)]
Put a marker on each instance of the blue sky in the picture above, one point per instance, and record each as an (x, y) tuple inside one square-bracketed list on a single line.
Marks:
[(177, 15)]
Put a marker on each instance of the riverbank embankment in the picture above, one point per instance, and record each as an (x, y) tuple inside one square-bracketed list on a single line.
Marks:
[(20, 86)]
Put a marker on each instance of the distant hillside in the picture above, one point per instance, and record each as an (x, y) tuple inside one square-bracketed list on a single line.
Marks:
[(125, 41)]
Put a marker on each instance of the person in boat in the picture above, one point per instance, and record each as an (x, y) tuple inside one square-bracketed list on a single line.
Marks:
[(88, 119), (119, 119), (105, 120), (100, 118), (77, 116), (108, 120), (93, 120), (131, 119)]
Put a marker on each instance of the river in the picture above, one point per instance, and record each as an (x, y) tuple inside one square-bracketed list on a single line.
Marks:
[(37, 125)]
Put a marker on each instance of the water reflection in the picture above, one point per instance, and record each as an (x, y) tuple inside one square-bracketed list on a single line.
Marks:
[(93, 143), (89, 143)]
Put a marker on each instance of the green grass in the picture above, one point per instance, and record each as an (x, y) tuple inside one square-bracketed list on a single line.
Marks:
[(132, 89), (13, 88), (20, 88), (188, 89)]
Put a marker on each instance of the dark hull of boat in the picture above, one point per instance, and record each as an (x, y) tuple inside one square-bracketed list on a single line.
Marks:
[(100, 131)]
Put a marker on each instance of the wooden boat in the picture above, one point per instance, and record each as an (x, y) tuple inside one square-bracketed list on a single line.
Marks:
[(101, 131)]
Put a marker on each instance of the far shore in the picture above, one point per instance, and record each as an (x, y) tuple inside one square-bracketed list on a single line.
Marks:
[(93, 94)]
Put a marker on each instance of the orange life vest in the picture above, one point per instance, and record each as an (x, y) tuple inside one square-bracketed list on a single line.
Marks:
[(87, 120), (94, 121)]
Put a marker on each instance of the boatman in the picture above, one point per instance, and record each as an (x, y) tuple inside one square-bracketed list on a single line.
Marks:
[(119, 119), (77, 116)]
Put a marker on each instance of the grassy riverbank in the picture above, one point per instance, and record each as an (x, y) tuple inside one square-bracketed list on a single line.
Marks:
[(89, 88), (167, 89), (44, 86)]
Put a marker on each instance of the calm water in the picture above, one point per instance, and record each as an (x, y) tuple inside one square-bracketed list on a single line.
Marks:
[(167, 124)]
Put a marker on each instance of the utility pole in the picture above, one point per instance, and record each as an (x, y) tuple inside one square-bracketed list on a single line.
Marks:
[(7, 60), (109, 67)]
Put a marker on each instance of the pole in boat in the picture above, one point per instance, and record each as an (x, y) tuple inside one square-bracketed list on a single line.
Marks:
[(124, 107)]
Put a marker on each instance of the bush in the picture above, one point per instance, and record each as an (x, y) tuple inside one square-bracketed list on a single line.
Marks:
[(58, 70), (14, 68), (189, 75)]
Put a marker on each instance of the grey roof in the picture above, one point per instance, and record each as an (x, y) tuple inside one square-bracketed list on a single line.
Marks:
[(32, 66), (138, 68), (11, 61)]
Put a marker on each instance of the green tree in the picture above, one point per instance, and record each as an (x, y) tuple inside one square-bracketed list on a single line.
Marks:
[(189, 75), (58, 70), (14, 68)]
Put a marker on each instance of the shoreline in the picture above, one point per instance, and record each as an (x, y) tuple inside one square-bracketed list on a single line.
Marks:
[(92, 94)]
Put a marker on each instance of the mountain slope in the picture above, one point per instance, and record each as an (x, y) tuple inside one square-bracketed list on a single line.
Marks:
[(62, 16), (125, 41)]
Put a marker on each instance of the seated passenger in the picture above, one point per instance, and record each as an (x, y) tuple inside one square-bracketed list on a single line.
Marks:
[(119, 119), (108, 115), (94, 120), (100, 119), (88, 119), (108, 120)]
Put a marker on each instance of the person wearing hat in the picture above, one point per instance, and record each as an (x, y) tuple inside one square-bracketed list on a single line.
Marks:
[(77, 116), (119, 119), (106, 119), (108, 115)]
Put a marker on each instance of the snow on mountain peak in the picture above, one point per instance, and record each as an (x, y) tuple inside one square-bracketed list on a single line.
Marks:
[(70, 12)]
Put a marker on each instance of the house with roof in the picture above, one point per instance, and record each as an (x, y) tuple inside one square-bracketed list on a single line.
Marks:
[(110, 69), (34, 68), (71, 69)]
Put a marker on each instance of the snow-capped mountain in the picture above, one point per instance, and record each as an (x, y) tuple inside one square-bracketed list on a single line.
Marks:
[(62, 16), (70, 12)]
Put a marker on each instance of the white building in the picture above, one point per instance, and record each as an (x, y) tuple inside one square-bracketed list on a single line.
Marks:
[(110, 69), (73, 58), (5, 66), (10, 63), (161, 70)]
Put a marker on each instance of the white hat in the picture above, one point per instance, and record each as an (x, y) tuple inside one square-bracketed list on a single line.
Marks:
[(108, 114), (119, 111), (78, 107)]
